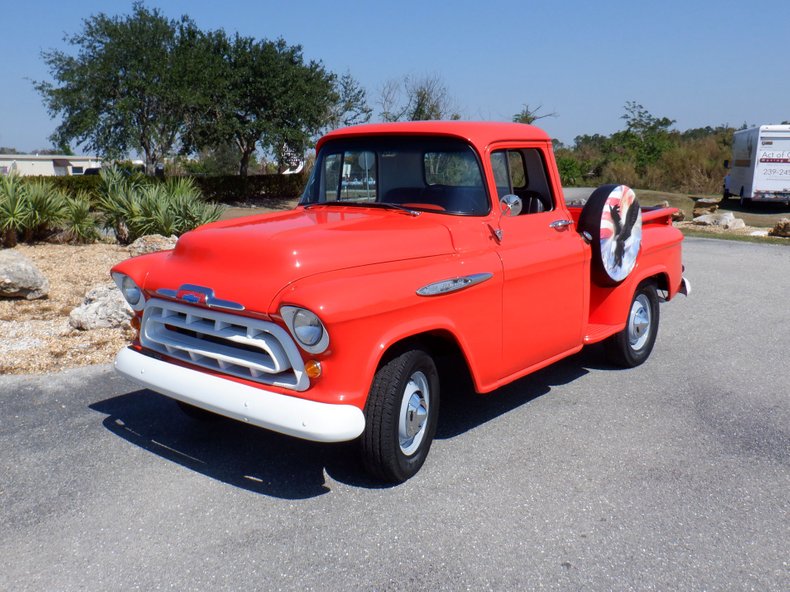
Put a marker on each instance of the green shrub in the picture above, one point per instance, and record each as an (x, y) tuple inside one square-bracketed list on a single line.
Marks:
[(133, 208), (15, 212), (80, 223), (74, 185), (230, 188), (47, 208)]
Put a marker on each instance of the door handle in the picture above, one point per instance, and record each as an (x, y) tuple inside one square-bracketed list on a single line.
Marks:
[(560, 225)]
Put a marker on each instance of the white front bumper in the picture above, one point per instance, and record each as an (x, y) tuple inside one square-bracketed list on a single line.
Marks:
[(310, 420)]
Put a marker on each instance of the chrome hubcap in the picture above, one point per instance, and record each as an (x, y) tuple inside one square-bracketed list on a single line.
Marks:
[(413, 413), (639, 322)]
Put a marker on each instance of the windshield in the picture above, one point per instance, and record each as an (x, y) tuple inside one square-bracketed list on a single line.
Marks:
[(420, 173)]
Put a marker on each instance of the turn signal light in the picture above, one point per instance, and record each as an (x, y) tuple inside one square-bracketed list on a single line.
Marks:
[(135, 323), (312, 368)]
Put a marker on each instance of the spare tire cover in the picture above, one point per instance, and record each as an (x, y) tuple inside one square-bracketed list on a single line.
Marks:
[(613, 218)]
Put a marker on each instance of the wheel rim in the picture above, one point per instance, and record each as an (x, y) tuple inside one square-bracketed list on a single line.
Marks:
[(639, 322), (413, 418)]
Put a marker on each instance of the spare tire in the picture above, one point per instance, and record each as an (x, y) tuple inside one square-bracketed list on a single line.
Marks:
[(613, 218)]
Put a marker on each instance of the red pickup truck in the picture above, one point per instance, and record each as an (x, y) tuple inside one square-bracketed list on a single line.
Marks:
[(412, 242)]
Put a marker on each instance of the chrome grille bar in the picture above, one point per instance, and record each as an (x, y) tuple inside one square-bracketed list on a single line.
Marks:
[(247, 348)]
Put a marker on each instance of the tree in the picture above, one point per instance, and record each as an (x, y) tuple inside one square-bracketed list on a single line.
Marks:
[(416, 99), (645, 138), (129, 86), (264, 95), (530, 116), (351, 106)]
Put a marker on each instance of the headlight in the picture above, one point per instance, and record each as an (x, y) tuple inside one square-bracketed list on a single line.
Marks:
[(130, 291), (307, 328)]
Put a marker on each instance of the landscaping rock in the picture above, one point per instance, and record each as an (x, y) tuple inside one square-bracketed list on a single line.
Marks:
[(726, 220), (782, 228), (705, 206), (152, 243), (702, 211), (103, 306), (20, 278), (679, 216)]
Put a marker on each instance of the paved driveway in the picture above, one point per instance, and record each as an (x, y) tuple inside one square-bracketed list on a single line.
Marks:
[(671, 476)]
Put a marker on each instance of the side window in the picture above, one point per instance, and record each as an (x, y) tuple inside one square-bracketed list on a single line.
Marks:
[(501, 174), (523, 173)]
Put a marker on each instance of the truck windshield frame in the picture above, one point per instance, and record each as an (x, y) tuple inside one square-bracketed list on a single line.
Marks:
[(439, 175)]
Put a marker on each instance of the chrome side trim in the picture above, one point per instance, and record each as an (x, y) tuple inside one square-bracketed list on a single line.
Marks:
[(453, 284)]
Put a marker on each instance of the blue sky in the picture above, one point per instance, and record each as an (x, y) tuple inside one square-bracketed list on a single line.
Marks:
[(698, 62)]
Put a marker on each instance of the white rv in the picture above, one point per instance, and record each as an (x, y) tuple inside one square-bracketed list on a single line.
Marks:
[(760, 167)]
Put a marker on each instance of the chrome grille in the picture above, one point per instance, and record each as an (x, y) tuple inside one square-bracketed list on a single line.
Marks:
[(239, 346)]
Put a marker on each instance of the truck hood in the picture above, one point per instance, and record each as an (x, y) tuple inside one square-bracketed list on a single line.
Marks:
[(249, 260)]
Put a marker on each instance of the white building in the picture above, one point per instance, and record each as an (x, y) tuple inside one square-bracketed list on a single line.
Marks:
[(47, 165)]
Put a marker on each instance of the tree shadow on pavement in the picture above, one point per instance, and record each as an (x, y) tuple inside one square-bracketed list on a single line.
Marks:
[(280, 466)]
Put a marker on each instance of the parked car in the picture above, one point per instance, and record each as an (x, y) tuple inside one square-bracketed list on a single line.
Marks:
[(331, 322)]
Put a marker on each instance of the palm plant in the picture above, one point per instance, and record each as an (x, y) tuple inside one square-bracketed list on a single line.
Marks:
[(47, 208), (78, 219), (15, 210), (119, 202), (157, 214)]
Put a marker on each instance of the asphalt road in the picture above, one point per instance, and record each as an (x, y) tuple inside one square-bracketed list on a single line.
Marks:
[(671, 476)]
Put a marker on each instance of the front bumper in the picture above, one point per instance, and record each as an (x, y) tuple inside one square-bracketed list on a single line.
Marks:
[(685, 287), (310, 420)]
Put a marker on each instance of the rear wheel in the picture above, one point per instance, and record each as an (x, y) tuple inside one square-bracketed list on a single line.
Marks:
[(401, 416), (632, 346), (743, 201)]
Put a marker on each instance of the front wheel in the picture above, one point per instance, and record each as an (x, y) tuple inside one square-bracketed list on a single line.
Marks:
[(632, 346), (401, 416)]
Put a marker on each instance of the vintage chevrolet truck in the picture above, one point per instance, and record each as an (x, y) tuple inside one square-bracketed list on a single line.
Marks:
[(412, 243)]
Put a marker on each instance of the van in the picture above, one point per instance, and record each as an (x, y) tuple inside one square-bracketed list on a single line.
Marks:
[(760, 167)]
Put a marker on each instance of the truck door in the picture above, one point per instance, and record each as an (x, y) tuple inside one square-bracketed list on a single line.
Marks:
[(544, 262)]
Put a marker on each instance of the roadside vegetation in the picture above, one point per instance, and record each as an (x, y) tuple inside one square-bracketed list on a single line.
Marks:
[(126, 207), (648, 153)]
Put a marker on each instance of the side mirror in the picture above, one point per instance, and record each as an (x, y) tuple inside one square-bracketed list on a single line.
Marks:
[(510, 205)]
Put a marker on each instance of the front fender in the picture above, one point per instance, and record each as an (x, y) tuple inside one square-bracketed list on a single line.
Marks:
[(368, 310)]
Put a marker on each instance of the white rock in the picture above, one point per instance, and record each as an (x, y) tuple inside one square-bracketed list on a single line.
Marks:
[(20, 278), (724, 219), (152, 243), (104, 306)]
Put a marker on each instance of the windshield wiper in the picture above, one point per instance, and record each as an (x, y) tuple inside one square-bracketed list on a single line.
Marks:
[(365, 204)]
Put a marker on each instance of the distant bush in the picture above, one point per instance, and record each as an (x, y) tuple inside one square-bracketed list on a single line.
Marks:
[(648, 154), (73, 185), (230, 188)]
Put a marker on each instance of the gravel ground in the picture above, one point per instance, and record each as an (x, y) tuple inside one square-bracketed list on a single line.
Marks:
[(35, 335)]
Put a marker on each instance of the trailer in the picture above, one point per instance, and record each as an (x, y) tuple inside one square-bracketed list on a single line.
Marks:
[(760, 167)]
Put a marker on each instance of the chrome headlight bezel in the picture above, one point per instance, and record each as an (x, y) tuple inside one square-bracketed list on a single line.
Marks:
[(130, 291), (306, 328)]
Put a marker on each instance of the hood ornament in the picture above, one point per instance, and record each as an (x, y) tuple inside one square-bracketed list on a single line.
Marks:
[(199, 295)]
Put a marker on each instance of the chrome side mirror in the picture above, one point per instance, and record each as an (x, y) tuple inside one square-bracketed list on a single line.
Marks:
[(510, 205)]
